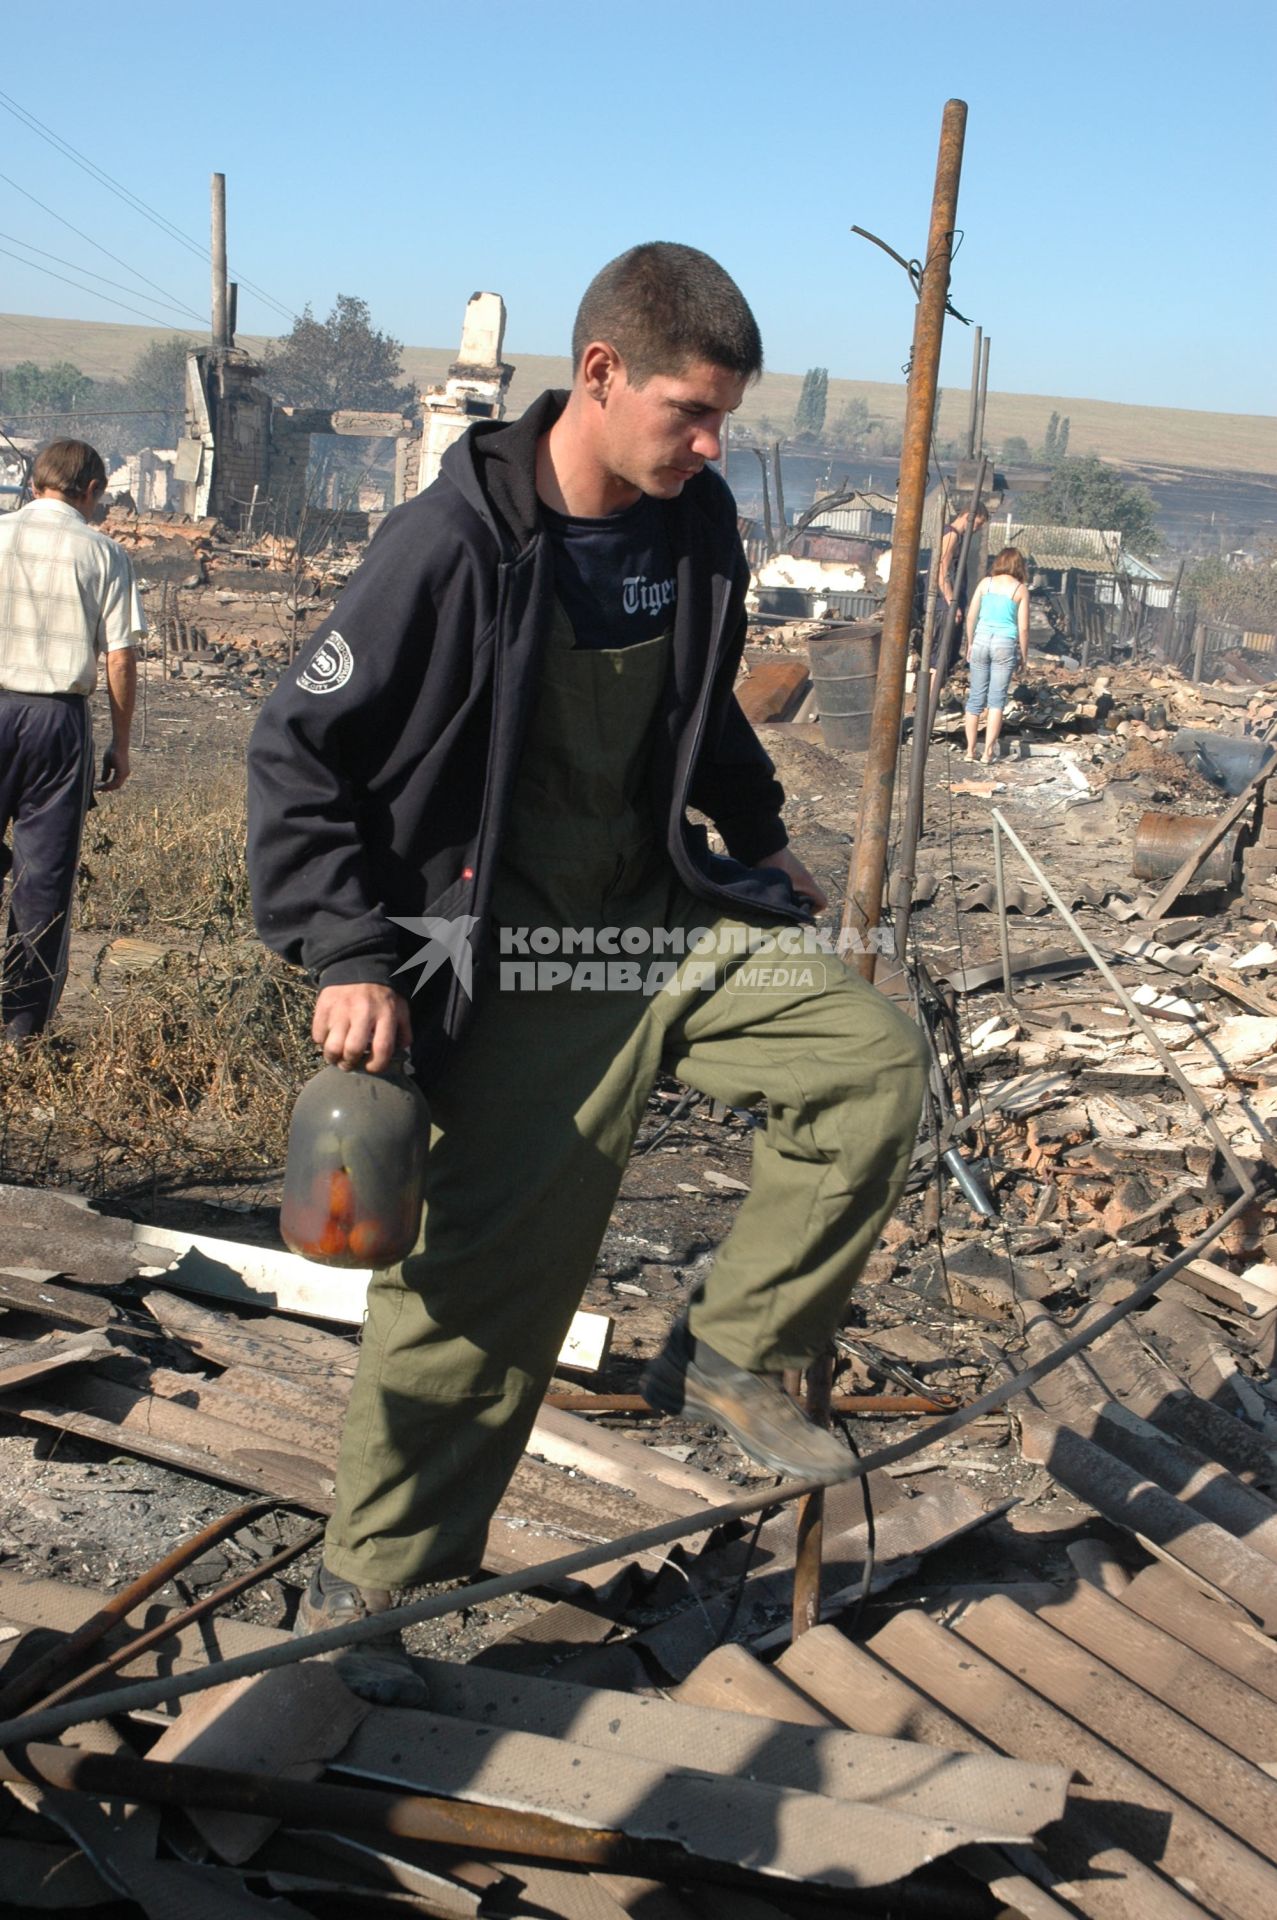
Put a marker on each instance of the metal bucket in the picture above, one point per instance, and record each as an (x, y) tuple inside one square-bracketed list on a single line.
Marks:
[(844, 674), (1163, 841)]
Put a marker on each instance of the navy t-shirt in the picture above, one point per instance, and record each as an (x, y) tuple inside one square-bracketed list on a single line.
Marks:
[(615, 575)]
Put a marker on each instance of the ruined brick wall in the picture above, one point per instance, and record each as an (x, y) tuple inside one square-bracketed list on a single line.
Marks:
[(242, 436)]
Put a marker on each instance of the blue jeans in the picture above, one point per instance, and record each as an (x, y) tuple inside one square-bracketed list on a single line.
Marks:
[(992, 664)]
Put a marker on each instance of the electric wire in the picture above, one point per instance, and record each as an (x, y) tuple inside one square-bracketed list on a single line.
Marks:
[(724, 1633), (851, 1620), (176, 306), (79, 231), (91, 291), (8, 320), (131, 199)]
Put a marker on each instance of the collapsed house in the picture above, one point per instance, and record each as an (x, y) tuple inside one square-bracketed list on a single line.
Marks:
[(242, 449)]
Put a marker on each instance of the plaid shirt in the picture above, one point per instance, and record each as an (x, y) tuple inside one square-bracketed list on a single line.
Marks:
[(66, 592)]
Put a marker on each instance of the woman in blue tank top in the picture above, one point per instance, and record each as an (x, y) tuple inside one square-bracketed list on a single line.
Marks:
[(998, 627)]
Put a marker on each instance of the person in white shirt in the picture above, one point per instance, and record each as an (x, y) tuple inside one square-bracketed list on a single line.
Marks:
[(67, 595)]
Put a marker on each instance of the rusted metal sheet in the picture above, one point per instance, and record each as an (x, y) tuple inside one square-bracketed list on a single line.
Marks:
[(772, 690), (1164, 840)]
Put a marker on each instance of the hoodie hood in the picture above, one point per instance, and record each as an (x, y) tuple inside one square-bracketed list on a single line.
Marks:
[(493, 467)]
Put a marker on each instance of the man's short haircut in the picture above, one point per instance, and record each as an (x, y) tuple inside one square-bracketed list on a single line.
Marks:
[(68, 467), (663, 307), (1010, 560)]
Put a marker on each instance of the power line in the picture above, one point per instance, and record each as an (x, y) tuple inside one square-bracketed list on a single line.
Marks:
[(177, 307), (91, 291), (80, 233), (131, 199), (9, 321)]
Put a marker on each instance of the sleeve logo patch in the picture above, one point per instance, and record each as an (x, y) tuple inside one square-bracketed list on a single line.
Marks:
[(329, 667)]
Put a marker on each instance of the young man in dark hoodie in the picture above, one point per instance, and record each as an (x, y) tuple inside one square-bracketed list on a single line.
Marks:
[(494, 744)]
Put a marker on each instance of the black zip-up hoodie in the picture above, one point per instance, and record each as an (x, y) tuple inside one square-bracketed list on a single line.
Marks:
[(382, 767)]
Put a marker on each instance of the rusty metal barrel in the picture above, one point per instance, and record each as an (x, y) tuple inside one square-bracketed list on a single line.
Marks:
[(1164, 840), (844, 677)]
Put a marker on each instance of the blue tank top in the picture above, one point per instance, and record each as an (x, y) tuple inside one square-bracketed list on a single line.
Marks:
[(999, 617)]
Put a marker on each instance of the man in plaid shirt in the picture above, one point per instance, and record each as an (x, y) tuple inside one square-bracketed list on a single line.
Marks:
[(67, 594)]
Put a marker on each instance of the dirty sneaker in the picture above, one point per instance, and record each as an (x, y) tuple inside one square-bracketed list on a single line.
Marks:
[(688, 1377), (380, 1670)]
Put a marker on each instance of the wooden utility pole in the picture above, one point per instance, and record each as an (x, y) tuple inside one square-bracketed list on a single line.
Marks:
[(863, 908), (221, 328)]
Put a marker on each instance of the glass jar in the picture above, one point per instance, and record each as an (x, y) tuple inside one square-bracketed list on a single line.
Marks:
[(354, 1181)]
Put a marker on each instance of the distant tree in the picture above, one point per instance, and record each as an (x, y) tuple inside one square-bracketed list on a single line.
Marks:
[(342, 361), (1243, 596), (809, 415), (852, 422), (1086, 493), (1016, 450), (154, 391), (884, 439), (1062, 438), (29, 388), (1050, 440), (157, 378)]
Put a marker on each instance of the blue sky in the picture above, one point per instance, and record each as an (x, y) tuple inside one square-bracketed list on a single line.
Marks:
[(1117, 191)]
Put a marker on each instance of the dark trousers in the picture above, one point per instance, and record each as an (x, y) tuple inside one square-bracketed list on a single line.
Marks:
[(46, 781)]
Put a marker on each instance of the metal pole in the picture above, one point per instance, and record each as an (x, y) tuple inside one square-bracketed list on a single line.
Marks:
[(975, 392), (221, 297), (1199, 649), (907, 855), (984, 395), (781, 515), (174, 1623), (33, 1679), (726, 446), (768, 538), (1168, 643), (863, 908), (810, 1551), (1004, 938), (927, 698)]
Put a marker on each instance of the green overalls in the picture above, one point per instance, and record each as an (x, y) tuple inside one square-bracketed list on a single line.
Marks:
[(534, 1121)]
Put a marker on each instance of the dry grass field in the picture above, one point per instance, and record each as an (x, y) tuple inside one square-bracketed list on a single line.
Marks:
[(1170, 436)]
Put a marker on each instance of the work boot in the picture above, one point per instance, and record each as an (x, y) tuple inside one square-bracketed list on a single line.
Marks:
[(688, 1377), (379, 1670)]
